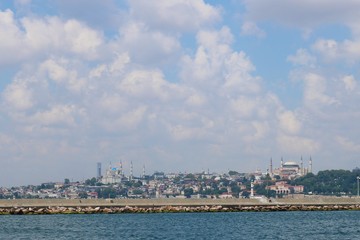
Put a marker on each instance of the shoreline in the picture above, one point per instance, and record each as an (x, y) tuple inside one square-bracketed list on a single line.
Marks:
[(109, 206)]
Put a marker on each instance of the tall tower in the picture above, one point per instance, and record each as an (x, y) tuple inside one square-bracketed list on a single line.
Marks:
[(98, 170), (121, 168), (143, 173), (310, 165), (131, 170), (302, 167), (271, 168), (282, 162)]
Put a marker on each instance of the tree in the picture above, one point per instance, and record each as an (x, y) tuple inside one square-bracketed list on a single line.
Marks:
[(91, 182), (83, 195), (235, 190), (137, 184), (188, 192), (231, 172), (190, 176), (106, 192), (329, 182), (245, 194), (138, 191), (66, 181)]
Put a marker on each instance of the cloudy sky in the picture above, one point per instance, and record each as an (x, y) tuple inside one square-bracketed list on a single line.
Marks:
[(177, 85)]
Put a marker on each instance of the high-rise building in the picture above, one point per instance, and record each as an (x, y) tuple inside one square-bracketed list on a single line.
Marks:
[(98, 170)]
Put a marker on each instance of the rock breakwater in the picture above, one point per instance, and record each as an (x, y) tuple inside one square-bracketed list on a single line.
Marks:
[(171, 209)]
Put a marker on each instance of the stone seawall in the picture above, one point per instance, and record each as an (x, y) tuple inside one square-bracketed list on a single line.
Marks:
[(89, 206)]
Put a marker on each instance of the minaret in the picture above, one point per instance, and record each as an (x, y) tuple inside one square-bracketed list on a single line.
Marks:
[(302, 167), (109, 170), (131, 170), (121, 168), (282, 162), (143, 173), (271, 168), (310, 165)]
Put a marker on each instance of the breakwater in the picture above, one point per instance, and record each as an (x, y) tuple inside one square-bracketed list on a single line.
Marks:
[(172, 209), (108, 206)]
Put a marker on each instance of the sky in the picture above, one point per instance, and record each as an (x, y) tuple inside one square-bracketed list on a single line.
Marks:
[(176, 85)]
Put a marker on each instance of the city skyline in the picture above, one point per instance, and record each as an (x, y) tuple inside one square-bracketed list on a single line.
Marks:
[(176, 85)]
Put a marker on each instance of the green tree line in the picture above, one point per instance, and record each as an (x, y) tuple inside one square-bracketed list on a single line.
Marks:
[(330, 182)]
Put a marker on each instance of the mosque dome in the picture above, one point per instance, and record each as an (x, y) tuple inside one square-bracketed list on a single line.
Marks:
[(291, 165)]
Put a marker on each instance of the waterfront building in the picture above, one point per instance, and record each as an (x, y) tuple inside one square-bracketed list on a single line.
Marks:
[(283, 188)]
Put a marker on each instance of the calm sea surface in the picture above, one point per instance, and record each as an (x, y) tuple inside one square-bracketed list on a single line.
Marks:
[(242, 225)]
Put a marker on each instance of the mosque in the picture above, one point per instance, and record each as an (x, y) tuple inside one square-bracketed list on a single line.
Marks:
[(290, 170), (115, 174)]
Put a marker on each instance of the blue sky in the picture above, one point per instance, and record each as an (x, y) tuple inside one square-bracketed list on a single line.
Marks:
[(176, 86)]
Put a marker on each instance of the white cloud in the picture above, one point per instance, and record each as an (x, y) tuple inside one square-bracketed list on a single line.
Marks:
[(115, 68), (59, 114), (108, 14), (37, 37), (180, 132), (305, 14), (250, 28), (11, 38), (297, 145), (315, 91), (175, 15), (260, 130), (349, 82), (147, 46), (331, 50), (216, 66), (244, 107), (211, 55), (82, 40), (218, 40), (69, 36), (347, 144), (302, 58), (112, 103), (129, 120), (196, 100), (64, 72), (238, 78), (56, 71), (308, 15), (19, 95), (147, 84), (289, 123)]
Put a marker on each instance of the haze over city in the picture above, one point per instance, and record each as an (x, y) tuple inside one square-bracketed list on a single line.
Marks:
[(176, 86)]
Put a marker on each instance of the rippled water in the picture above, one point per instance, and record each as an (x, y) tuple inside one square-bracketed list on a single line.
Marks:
[(242, 225)]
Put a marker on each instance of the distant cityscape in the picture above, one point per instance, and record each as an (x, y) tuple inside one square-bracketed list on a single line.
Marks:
[(289, 179)]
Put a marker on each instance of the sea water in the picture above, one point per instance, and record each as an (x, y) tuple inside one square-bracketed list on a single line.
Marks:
[(240, 225)]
